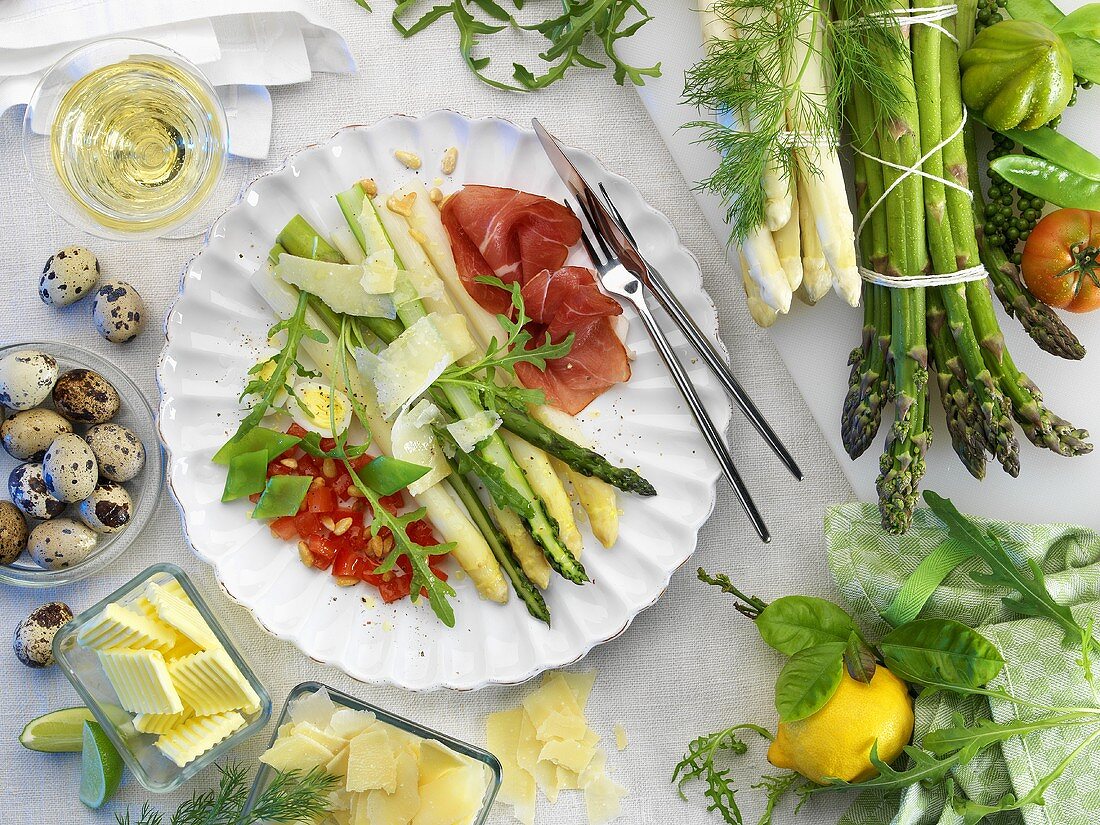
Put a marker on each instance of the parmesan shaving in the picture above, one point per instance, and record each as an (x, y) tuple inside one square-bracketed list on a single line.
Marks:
[(414, 442), (469, 432), (354, 289)]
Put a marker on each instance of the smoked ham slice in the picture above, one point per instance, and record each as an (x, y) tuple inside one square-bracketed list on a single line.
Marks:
[(524, 238)]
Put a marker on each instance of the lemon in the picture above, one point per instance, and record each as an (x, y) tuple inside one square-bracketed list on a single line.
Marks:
[(835, 742)]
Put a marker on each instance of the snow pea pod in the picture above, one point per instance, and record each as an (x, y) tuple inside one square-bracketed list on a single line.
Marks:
[(1049, 181), (1058, 149)]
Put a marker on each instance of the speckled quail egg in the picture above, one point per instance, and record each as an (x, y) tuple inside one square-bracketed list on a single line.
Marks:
[(118, 312), (27, 434), (26, 378), (108, 509), (60, 543), (86, 397), (70, 468), (33, 641), (68, 276), (27, 490), (120, 453), (13, 532)]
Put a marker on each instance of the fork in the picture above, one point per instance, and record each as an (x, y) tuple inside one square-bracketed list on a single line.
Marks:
[(617, 280)]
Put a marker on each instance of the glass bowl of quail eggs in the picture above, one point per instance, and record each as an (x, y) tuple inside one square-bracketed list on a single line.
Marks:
[(81, 460)]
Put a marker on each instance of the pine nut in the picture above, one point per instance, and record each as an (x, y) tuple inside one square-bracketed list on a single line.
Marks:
[(317, 483), (346, 581), (342, 526), (289, 462), (355, 492), (450, 161), (328, 468), (328, 524), (369, 186), (436, 195), (409, 159), (304, 554), (401, 206)]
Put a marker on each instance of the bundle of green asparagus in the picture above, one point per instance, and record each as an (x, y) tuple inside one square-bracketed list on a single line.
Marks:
[(921, 223)]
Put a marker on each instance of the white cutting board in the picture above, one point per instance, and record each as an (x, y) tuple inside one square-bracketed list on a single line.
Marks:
[(815, 342)]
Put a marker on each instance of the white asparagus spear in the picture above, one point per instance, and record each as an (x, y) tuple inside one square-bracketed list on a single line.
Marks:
[(759, 249), (596, 497), (789, 248), (529, 555), (470, 549), (763, 314), (820, 179), (817, 278)]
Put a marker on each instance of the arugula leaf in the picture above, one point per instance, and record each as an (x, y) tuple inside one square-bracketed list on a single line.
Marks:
[(1032, 597), (968, 740), (941, 651), (809, 680), (748, 606), (923, 767), (504, 495), (794, 623), (698, 763)]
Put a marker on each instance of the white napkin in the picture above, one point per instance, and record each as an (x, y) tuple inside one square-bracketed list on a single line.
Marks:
[(241, 45)]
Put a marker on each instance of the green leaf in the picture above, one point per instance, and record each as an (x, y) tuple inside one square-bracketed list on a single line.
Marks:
[(794, 623), (387, 475), (247, 475), (1084, 52), (504, 495), (924, 768), (1082, 22), (1031, 595), (859, 660), (809, 680), (970, 739), (273, 442), (941, 651), (1042, 11), (699, 763), (282, 496), (311, 445)]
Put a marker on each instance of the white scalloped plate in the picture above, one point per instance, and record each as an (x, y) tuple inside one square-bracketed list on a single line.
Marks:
[(218, 325)]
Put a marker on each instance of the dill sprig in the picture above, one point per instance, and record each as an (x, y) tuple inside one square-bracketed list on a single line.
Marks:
[(750, 89), (290, 797)]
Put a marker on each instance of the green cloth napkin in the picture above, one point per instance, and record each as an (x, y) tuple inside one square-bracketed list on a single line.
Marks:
[(870, 567)]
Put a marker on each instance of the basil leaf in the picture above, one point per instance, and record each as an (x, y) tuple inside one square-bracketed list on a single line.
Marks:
[(387, 475), (273, 442), (247, 475), (941, 651), (282, 496), (1042, 11), (859, 660), (808, 681), (1083, 22), (794, 623)]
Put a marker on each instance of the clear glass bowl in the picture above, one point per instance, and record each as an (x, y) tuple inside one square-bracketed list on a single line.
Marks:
[(266, 772), (144, 489), (104, 219), (81, 666)]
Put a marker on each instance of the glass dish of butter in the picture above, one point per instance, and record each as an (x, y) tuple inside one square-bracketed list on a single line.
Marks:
[(389, 770), (162, 678)]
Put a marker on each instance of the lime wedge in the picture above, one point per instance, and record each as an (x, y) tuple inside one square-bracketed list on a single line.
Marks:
[(100, 767), (59, 732)]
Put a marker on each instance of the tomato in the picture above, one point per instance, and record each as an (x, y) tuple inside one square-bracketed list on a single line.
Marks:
[(306, 524), (420, 532), (297, 431), (393, 503), (1060, 264), (350, 562), (320, 500), (342, 484), (323, 548), (284, 528)]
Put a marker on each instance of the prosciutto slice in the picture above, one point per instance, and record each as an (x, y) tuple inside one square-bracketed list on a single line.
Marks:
[(524, 238), (564, 301)]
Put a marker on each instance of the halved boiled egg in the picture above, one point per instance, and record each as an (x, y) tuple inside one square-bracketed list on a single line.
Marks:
[(314, 406), (264, 373)]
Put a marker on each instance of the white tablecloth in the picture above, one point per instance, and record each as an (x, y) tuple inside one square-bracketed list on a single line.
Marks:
[(689, 665)]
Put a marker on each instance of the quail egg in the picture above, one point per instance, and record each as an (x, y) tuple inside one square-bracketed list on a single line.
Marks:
[(60, 543), (33, 641), (108, 509), (86, 397), (70, 468), (118, 312), (119, 452), (27, 434), (68, 276), (26, 378), (13, 532), (27, 490)]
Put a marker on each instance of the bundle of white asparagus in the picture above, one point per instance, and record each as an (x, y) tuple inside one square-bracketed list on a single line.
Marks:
[(806, 243)]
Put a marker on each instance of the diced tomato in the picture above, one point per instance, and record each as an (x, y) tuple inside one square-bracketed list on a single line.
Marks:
[(320, 500), (359, 462), (284, 528), (420, 532), (277, 468), (393, 503), (255, 497), (307, 523), (394, 589), (342, 484), (322, 547), (308, 466), (296, 430), (350, 562), (328, 444)]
